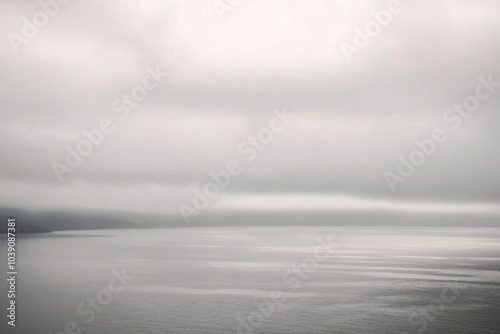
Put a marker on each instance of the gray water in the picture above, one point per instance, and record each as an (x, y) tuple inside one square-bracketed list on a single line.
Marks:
[(211, 280)]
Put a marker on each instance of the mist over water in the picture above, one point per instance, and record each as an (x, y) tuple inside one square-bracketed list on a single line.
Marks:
[(224, 166), (211, 280)]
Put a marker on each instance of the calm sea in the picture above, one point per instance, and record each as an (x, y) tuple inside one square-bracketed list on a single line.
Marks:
[(258, 280)]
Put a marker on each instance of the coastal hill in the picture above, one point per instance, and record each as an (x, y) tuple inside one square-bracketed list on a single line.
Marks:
[(44, 221)]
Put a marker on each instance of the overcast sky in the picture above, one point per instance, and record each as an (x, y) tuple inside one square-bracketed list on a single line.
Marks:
[(224, 77)]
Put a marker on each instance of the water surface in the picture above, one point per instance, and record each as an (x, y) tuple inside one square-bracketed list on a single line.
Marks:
[(215, 280)]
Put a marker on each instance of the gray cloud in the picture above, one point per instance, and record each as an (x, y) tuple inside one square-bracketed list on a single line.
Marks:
[(224, 80)]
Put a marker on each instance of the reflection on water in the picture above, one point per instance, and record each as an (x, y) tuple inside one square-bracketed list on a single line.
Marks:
[(201, 280)]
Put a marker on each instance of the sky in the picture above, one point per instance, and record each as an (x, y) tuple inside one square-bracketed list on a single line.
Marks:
[(219, 73)]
